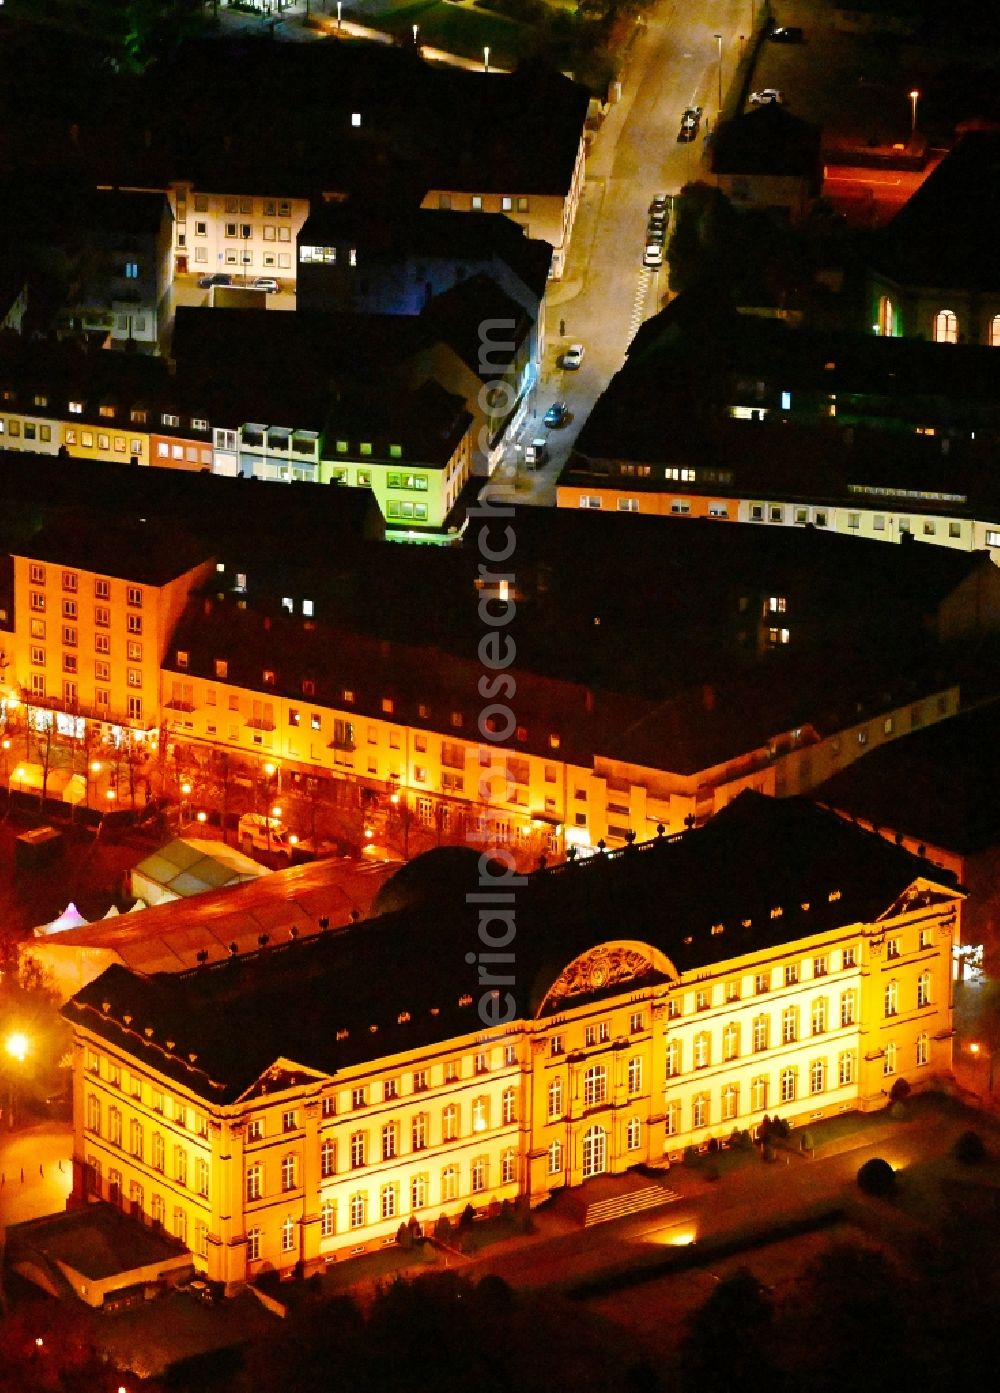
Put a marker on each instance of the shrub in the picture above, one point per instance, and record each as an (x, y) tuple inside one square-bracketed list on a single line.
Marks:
[(969, 1148), (780, 1129), (468, 1217), (900, 1091), (806, 1142), (713, 1144), (877, 1177), (897, 1112), (403, 1235), (506, 1209), (442, 1229), (768, 1152), (691, 1156)]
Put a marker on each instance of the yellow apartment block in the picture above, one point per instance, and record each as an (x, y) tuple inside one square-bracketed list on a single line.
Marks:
[(490, 1037)]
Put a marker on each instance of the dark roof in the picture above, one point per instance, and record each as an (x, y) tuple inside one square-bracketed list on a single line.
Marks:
[(948, 234), (131, 549), (405, 980), (97, 1240), (133, 212), (386, 233), (768, 140), (458, 315), (940, 785)]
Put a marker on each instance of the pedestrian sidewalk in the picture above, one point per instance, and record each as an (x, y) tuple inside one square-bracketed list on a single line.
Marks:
[(36, 1172)]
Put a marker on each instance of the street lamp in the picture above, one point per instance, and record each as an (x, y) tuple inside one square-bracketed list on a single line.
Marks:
[(486, 58), (416, 31), (718, 38), (339, 4), (914, 99), (16, 1045)]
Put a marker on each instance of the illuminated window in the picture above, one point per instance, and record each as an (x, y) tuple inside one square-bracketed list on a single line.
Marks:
[(891, 998), (480, 1114), (886, 318), (889, 1062), (730, 1102), (788, 1083), (924, 989), (673, 1059), (817, 1076), (595, 1085), (923, 1048), (846, 1067), (758, 1093), (946, 327)]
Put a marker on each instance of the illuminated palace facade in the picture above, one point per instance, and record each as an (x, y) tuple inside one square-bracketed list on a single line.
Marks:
[(295, 1105)]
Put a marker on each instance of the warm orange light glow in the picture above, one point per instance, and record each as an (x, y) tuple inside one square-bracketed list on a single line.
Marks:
[(276, 811), (974, 1047), (6, 744), (95, 766), (202, 815), (269, 768), (110, 795), (13, 700), (16, 1046), (293, 837), (914, 94), (394, 798), (185, 789), (368, 834), (18, 773)]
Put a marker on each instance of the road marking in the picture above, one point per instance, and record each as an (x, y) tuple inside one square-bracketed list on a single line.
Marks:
[(639, 301)]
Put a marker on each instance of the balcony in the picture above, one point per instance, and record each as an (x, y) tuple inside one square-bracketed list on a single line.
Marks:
[(258, 723)]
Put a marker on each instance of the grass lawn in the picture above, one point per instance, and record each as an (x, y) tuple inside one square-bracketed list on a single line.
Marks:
[(382, 1266), (455, 28)]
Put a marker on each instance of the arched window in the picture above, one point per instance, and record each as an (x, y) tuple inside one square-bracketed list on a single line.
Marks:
[(889, 1064), (923, 1048), (595, 1085), (788, 1081), (449, 1123), (995, 331), (702, 1050), (555, 1097), (817, 1076), (508, 1167), (699, 1110), (946, 327), (359, 1210), (924, 989), (634, 1134), (730, 1102), (891, 995), (886, 317), (555, 1155), (595, 1152), (480, 1114)]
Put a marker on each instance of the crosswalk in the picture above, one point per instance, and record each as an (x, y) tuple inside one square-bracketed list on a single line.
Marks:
[(646, 278)]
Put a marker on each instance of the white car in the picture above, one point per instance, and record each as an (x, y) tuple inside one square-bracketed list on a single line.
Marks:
[(573, 356), (267, 283), (767, 96), (653, 255)]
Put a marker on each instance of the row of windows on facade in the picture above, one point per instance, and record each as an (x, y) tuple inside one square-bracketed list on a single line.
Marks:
[(344, 732), (271, 261), (388, 1201), (389, 1143), (775, 512), (136, 1203), (113, 1134), (507, 203), (70, 582), (761, 1098), (39, 690), (269, 207), (945, 326)]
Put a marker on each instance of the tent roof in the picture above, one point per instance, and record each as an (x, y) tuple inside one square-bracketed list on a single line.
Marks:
[(188, 866)]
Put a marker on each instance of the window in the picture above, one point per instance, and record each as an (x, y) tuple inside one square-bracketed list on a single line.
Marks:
[(328, 1159), (817, 1076), (253, 1245), (554, 1095), (762, 983), (848, 958), (891, 998), (418, 1190), (479, 1172), (889, 1062), (508, 1106), (788, 1085), (390, 1140), (923, 1048), (820, 967), (595, 1085), (846, 1067), (672, 1118), (180, 1165), (819, 1015), (480, 1114), (892, 948), (702, 1050), (848, 1002), (924, 989), (699, 1110), (946, 327), (673, 1059), (289, 1172), (180, 1225), (636, 1023), (730, 1102), (449, 1123), (359, 1149), (731, 1041), (114, 1126), (789, 1025), (633, 1134), (761, 1032), (791, 974), (255, 1129), (481, 1064), (201, 1176), (420, 1080), (389, 1200), (290, 1120), (93, 1113), (359, 1097), (635, 1074), (702, 1000), (287, 1235), (418, 1132), (135, 1138)]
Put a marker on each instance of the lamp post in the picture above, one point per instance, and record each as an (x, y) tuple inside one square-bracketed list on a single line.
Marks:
[(16, 1045), (339, 6), (486, 58), (416, 31), (718, 39), (914, 99)]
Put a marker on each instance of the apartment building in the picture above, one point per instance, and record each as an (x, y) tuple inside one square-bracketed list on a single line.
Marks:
[(239, 232), (326, 1104)]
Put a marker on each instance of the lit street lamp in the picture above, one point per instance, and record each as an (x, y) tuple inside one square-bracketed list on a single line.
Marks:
[(914, 99), (718, 38), (16, 1045), (416, 31), (339, 4), (486, 58)]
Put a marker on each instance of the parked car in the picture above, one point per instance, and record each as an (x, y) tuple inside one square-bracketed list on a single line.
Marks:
[(556, 415), (767, 96), (690, 122), (655, 234), (217, 278), (787, 34), (267, 283), (652, 257), (260, 833), (658, 219), (573, 357), (536, 452)]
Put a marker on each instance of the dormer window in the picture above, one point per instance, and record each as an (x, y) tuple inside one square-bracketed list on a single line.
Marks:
[(355, 119), (268, 677), (221, 668), (76, 408), (182, 657)]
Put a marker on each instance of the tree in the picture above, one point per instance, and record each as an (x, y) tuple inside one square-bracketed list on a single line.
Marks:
[(730, 1342), (877, 1177)]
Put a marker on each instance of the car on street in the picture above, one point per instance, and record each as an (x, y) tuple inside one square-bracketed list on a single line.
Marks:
[(767, 96), (659, 203), (218, 278), (652, 257), (658, 219), (655, 234), (556, 415), (536, 452), (266, 283), (690, 122), (787, 34), (573, 357)]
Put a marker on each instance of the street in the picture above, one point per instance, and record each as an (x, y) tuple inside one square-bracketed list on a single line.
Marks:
[(606, 292)]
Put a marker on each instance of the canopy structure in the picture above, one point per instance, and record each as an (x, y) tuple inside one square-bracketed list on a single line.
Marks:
[(70, 918), (186, 867)]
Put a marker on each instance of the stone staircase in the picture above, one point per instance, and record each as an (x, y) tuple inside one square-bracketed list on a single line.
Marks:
[(633, 1202)]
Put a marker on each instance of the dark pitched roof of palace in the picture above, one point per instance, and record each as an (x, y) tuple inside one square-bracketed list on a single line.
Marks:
[(409, 979)]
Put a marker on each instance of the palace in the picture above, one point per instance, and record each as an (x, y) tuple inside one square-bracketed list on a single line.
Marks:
[(485, 1037)]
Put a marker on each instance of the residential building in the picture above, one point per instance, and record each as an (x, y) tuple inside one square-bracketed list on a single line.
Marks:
[(235, 231), (769, 159), (125, 293), (804, 982)]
